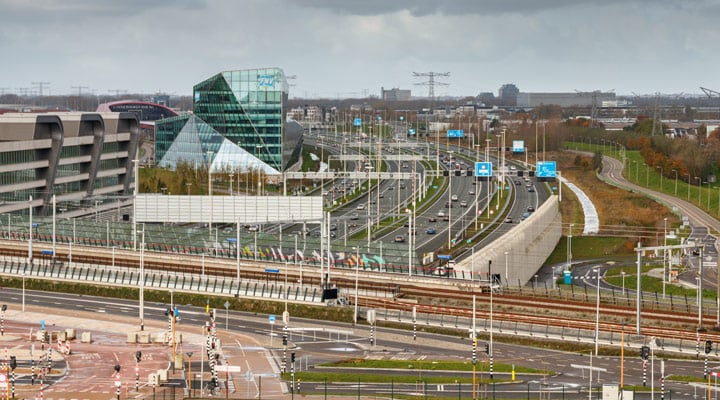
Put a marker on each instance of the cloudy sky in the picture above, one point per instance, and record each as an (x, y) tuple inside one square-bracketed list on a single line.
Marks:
[(345, 48)]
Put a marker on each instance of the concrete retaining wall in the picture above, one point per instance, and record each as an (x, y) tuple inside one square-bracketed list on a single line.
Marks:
[(528, 245)]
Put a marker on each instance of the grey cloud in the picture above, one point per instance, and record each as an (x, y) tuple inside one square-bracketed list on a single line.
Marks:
[(457, 7)]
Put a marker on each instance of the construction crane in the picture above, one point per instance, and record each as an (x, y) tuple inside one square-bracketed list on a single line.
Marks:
[(431, 82)]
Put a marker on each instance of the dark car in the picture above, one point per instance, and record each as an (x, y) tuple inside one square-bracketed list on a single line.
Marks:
[(531, 209), (430, 231)]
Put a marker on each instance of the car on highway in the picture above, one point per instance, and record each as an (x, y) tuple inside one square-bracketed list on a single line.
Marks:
[(454, 197), (432, 219), (508, 220), (399, 239), (471, 192), (354, 216), (430, 231), (524, 216), (531, 209), (360, 207), (531, 189), (463, 204)]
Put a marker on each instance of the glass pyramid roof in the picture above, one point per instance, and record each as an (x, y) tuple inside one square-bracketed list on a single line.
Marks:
[(197, 140)]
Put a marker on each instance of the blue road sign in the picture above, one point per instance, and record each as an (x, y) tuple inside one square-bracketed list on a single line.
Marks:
[(177, 312), (518, 146), (272, 270), (411, 131), (546, 169), (444, 256), (483, 169), (232, 240), (46, 252), (271, 319), (402, 118), (357, 121), (455, 133), (42, 324)]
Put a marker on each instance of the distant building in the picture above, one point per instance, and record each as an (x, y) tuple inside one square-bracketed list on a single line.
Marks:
[(394, 94), (486, 97), (239, 123), (507, 94), (568, 99), (146, 112), (75, 156), (162, 99)]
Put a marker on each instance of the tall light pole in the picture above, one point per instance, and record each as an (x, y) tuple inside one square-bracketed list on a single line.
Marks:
[(661, 177), (357, 278), (597, 311), (697, 178), (23, 291), (142, 280), (506, 270), (209, 166), (569, 249), (676, 180), (688, 194), (449, 200), (665, 260)]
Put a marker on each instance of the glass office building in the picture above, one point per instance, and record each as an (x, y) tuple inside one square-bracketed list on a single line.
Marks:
[(239, 117)]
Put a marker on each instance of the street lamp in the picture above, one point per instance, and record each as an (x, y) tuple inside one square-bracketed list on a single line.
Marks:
[(23, 291), (688, 194), (676, 176), (506, 270), (699, 187), (661, 177), (357, 278), (142, 279), (597, 311), (623, 282)]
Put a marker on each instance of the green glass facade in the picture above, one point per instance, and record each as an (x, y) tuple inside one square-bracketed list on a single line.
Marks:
[(246, 107)]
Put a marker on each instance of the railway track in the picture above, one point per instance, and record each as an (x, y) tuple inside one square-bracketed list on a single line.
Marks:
[(428, 295)]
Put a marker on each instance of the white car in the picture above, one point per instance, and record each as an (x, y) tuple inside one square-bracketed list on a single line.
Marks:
[(360, 207), (454, 197)]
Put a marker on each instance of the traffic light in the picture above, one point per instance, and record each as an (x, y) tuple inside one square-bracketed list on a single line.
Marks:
[(117, 368), (487, 348), (708, 346), (284, 340), (292, 357), (138, 356), (644, 352), (13, 362)]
